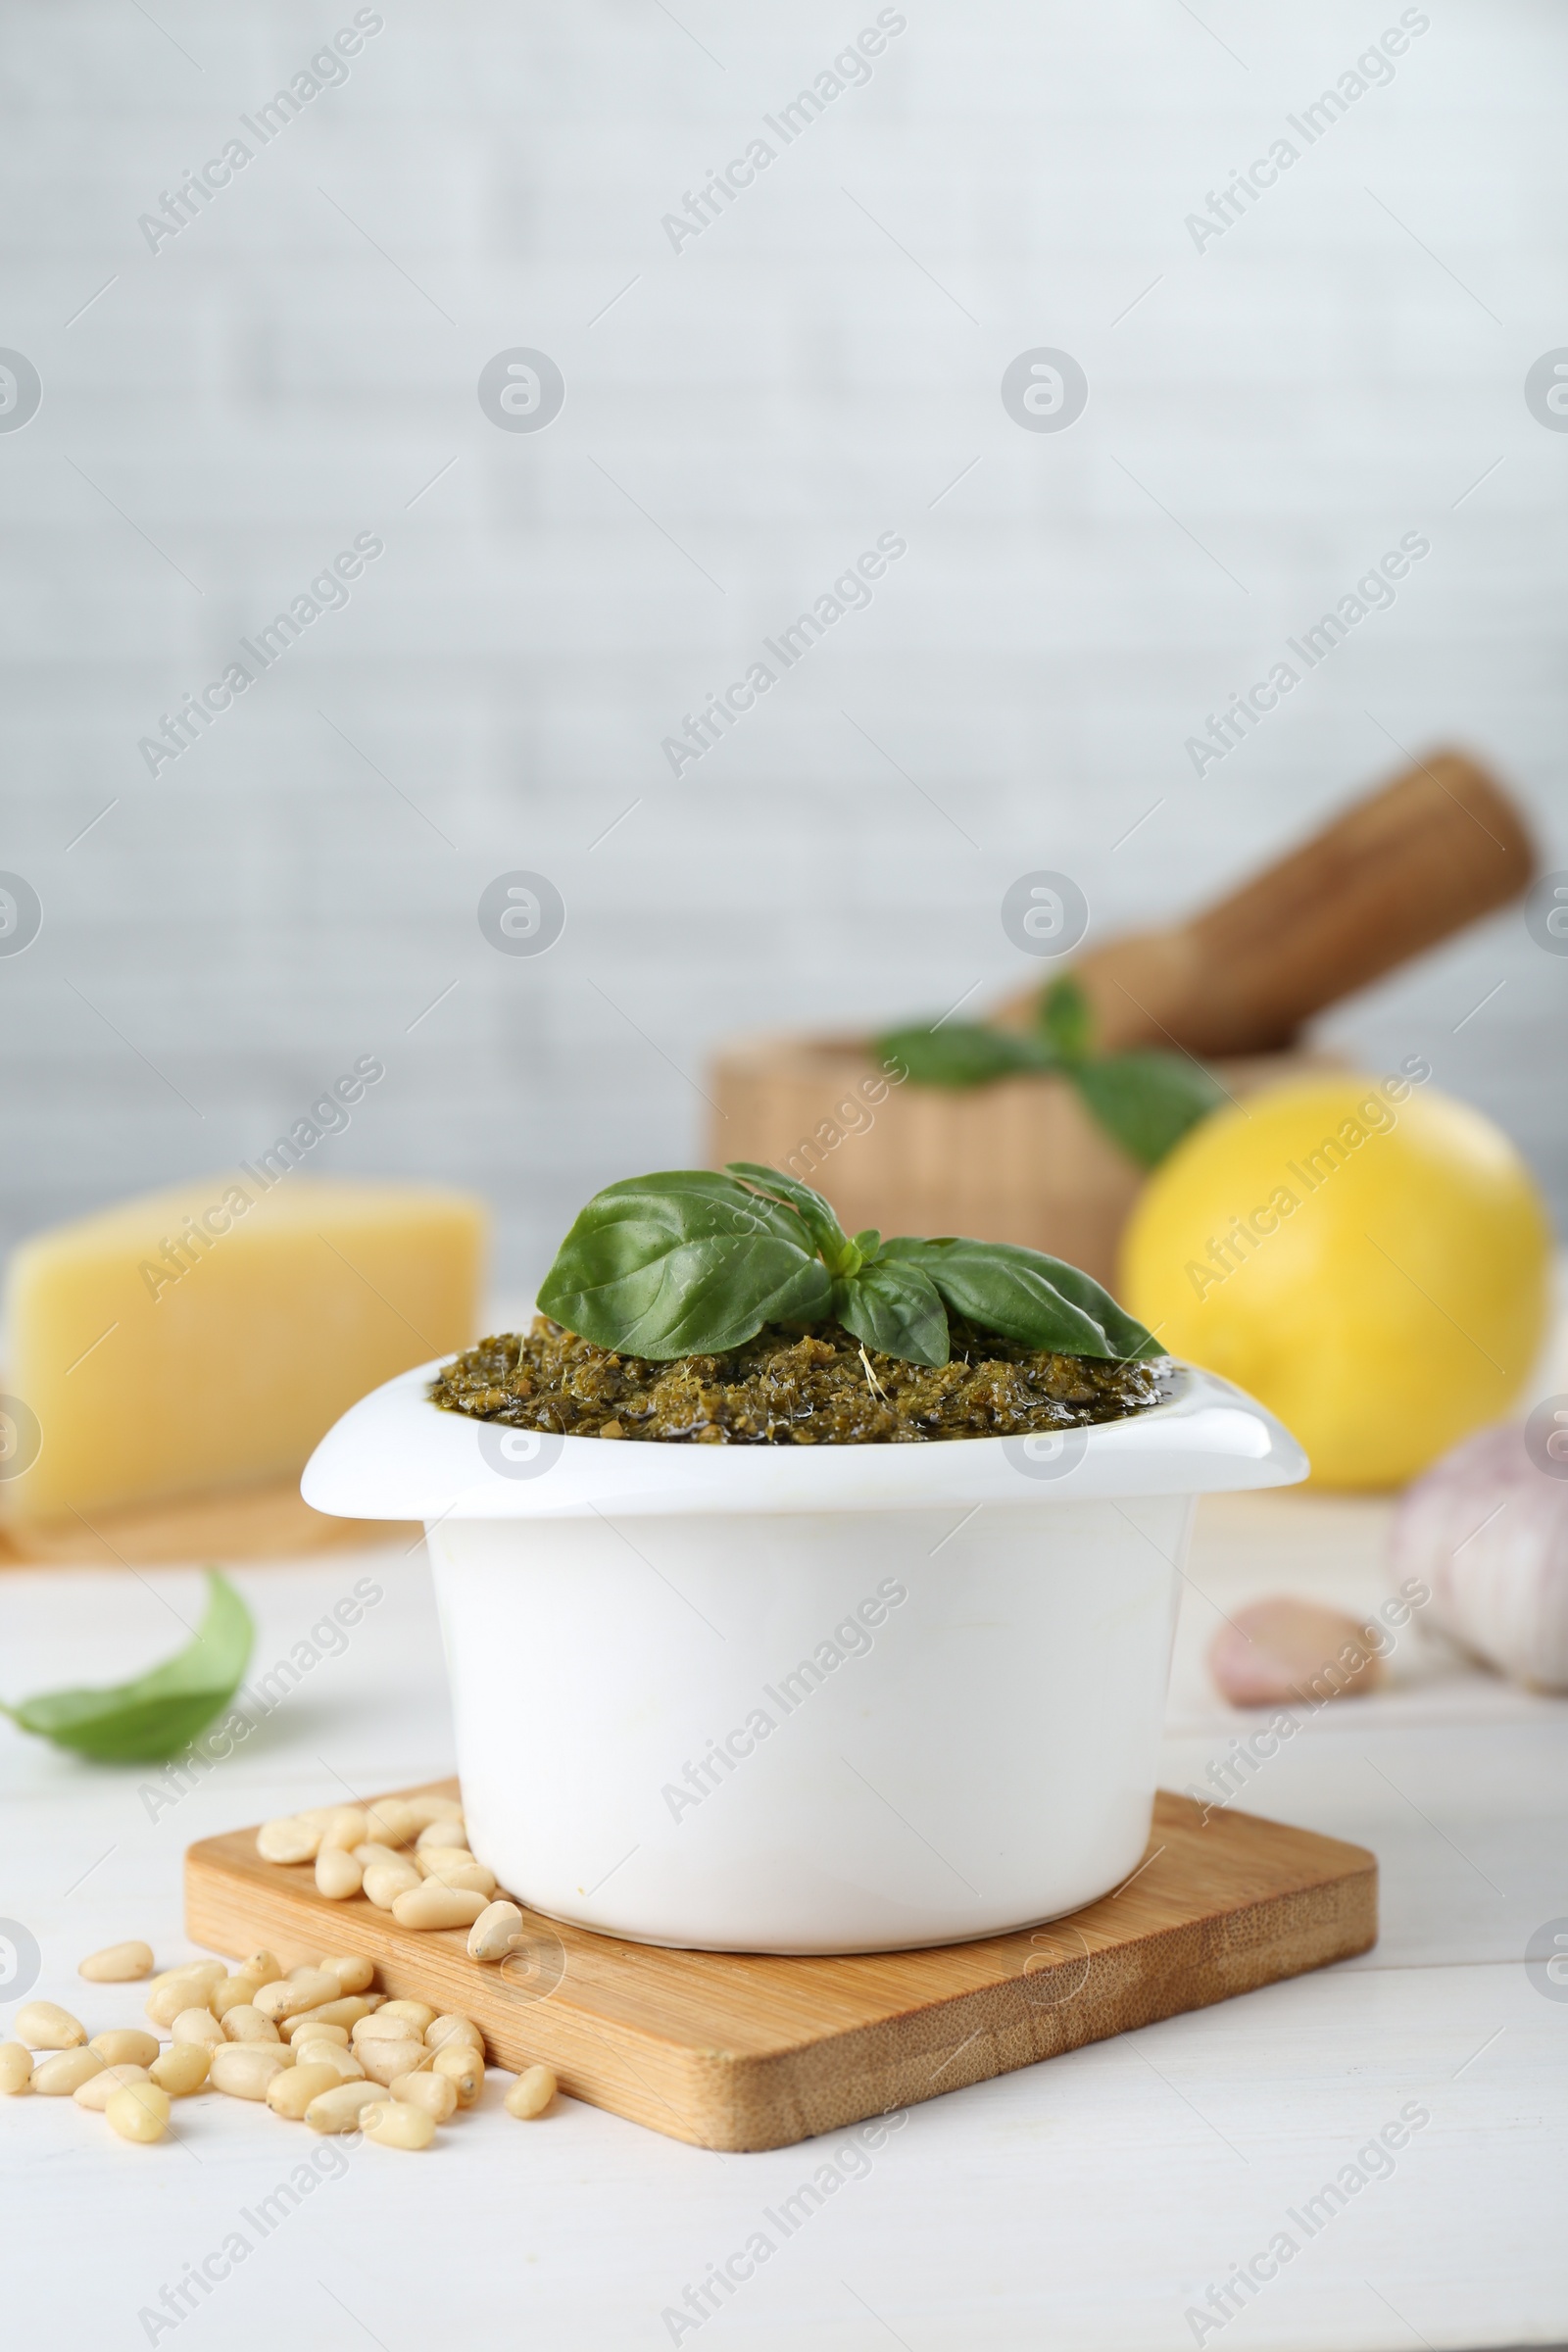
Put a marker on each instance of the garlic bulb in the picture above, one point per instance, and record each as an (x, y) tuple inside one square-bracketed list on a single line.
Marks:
[(1489, 1532)]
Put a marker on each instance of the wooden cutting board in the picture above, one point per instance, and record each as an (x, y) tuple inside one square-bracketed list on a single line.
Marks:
[(733, 2050)]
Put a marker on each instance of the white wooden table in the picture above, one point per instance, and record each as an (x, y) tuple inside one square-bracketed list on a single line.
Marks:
[(1089, 2202)]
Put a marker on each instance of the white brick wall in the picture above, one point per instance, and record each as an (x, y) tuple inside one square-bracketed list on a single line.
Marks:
[(1316, 382)]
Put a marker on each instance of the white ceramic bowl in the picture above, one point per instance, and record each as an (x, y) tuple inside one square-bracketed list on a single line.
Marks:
[(805, 1700)]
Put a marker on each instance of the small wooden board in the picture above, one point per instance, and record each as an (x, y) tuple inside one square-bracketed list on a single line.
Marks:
[(739, 2050)]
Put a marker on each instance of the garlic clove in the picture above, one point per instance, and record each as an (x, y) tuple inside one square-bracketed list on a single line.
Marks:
[(1291, 1652)]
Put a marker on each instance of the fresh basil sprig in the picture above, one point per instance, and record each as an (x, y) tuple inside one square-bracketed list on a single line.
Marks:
[(160, 1711), (690, 1263), (1144, 1099)]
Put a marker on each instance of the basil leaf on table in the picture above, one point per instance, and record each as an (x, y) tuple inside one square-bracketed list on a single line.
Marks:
[(963, 1054), (1146, 1099), (1038, 1301), (160, 1712), (896, 1308), (683, 1262)]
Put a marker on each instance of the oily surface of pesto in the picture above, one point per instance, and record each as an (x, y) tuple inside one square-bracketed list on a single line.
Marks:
[(790, 1386)]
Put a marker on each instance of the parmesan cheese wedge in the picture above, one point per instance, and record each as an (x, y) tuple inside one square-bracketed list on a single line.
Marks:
[(208, 1336)]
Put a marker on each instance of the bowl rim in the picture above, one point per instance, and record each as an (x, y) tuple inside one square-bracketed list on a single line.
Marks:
[(395, 1455)]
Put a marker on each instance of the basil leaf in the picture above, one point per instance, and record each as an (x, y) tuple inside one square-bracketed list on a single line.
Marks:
[(1146, 1099), (963, 1054), (1066, 1022), (814, 1213), (160, 1712), (894, 1309), (1027, 1296), (683, 1262)]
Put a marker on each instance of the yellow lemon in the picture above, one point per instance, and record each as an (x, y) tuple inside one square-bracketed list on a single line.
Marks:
[(1367, 1258)]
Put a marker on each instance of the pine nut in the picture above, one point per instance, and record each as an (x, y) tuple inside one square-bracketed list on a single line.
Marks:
[(45, 2025), (450, 1866), (291, 1996), (266, 1967), (384, 2061), (125, 2046), (291, 2092), (418, 2014), (15, 2067), (431, 1905), (396, 2126), (140, 2110), (352, 1970), (385, 1882), (494, 1932), (288, 1841), (183, 1988), (530, 2095), (311, 2028), (337, 1873), (435, 1808), (182, 2068), (344, 2012), (195, 1972), (232, 1993), (339, 2110), (57, 2078), (344, 1827), (442, 2031), (98, 2089), (373, 1851), (378, 2027), (196, 2024), (244, 2023), (463, 2068), (117, 1964), (244, 2069), (445, 1829), (436, 2094), (310, 1966), (392, 1820), (345, 2067)]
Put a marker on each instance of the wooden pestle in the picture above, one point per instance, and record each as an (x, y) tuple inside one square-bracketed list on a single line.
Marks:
[(1440, 845)]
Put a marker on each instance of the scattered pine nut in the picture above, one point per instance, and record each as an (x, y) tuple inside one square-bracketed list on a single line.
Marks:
[(344, 2012), (233, 1992), (451, 1866), (344, 1827), (494, 1932), (117, 1964), (339, 2110), (434, 1808), (184, 1988), (397, 2126), (291, 1996), (125, 2046), (352, 1970), (337, 1875), (244, 2069), (463, 2068), (445, 1829), (45, 2025), (345, 2067), (140, 2110), (384, 2061), (418, 2014), (436, 2094), (266, 1967), (385, 1882), (312, 2026), (243, 2023), (290, 1839), (373, 1851), (310, 1966), (197, 2024), (432, 1906), (57, 2078), (290, 2092), (442, 2031), (182, 2068), (16, 2068), (392, 1820), (99, 2088), (531, 2093)]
